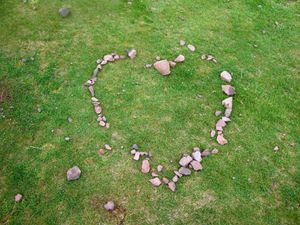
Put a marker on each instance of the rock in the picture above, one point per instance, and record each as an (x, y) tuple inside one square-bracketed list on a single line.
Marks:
[(197, 156), (212, 133), (172, 64), (165, 180), (159, 168), (94, 99), (70, 120), (148, 66), (145, 166), (103, 62), (18, 198), (191, 48), (73, 173), (276, 149), (196, 149), (182, 42), (172, 186), (135, 146), (227, 102), (116, 57), (227, 112), (102, 123), (226, 119), (175, 179), (218, 113), (228, 90), (184, 171), (163, 67), (91, 90), (132, 152), (98, 109), (131, 53), (178, 174), (205, 153), (179, 59), (107, 147), (226, 76), (101, 151), (67, 138), (155, 182), (136, 156), (108, 58), (196, 165), (220, 124), (109, 206), (221, 140), (157, 58), (64, 12), (154, 174), (210, 57), (214, 151), (185, 160)]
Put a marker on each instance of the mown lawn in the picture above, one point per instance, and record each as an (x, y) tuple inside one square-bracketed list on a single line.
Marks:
[(246, 183)]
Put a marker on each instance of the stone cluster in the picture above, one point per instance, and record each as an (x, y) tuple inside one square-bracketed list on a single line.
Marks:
[(164, 66), (137, 154), (208, 58), (107, 147)]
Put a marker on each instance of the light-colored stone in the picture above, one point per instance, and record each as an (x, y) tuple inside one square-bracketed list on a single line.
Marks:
[(131, 53), (196, 149), (228, 89), (177, 173), (64, 12), (175, 179), (185, 160), (227, 112), (221, 140), (191, 47), (172, 64), (159, 168), (228, 102), (218, 113), (107, 147), (165, 180), (182, 42), (145, 166), (212, 133), (185, 171), (276, 149), (108, 58), (98, 109), (132, 152), (102, 123), (136, 156), (205, 153), (135, 146), (196, 165), (214, 151), (226, 76), (220, 124), (172, 186), (155, 182), (73, 173), (179, 59), (226, 119), (18, 198), (109, 206), (163, 67), (197, 156)]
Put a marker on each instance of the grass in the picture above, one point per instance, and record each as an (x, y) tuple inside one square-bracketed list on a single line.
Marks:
[(256, 40)]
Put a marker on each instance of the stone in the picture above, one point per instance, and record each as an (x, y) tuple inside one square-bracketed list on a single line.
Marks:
[(227, 102), (185, 160), (18, 198), (203, 57), (67, 138), (165, 180), (108, 58), (191, 48), (103, 62), (196, 149), (218, 113), (226, 76), (94, 99), (210, 57), (131, 53), (70, 120), (227, 112), (154, 174), (184, 171), (178, 174), (197, 156), (172, 64), (135, 146), (172, 186), (73, 173), (64, 12), (91, 90), (102, 123), (175, 179), (145, 166), (182, 42), (157, 58), (226, 119), (107, 147), (212, 133), (196, 165), (163, 67), (214, 151), (159, 168), (205, 153), (179, 59), (228, 89), (148, 66), (98, 109), (101, 151), (39, 109), (136, 156), (132, 152), (276, 149), (116, 57), (155, 182), (220, 124), (109, 206), (221, 140)]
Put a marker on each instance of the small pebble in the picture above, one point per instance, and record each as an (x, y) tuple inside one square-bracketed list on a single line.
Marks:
[(109, 206), (18, 198)]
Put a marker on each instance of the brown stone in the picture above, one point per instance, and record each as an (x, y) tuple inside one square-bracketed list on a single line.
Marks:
[(163, 67)]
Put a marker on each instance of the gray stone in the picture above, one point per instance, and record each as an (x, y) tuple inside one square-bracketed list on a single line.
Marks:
[(177, 173), (175, 179), (165, 180), (159, 168), (172, 186), (197, 156), (184, 171), (182, 42), (135, 146), (228, 102), (191, 48), (218, 113), (73, 173), (136, 156), (220, 124), (226, 76), (64, 12), (212, 133), (185, 160), (205, 153), (155, 182), (227, 112), (109, 206), (228, 89), (131, 53), (196, 165), (132, 152), (108, 58), (163, 67)]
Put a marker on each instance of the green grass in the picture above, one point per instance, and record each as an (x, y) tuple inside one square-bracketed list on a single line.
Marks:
[(260, 45)]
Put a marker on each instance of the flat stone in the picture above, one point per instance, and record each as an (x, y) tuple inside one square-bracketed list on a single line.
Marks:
[(163, 67), (64, 12), (227, 102), (220, 124), (70, 120), (157, 58), (18, 198), (172, 186), (228, 89), (191, 48), (103, 62), (132, 152), (221, 140), (159, 168), (109, 206), (205, 153), (148, 66), (212, 133), (226, 119), (214, 151), (67, 138), (226, 76), (185, 160), (102, 123), (218, 113), (276, 149), (73, 173), (131, 53), (135, 146), (175, 179), (203, 57), (197, 156), (182, 42), (179, 59), (154, 174), (108, 58), (91, 90), (136, 156), (172, 64), (177, 173), (196, 149), (145, 166), (165, 180), (155, 182), (101, 151), (185, 171), (94, 99), (228, 112), (98, 109), (107, 147), (196, 165)]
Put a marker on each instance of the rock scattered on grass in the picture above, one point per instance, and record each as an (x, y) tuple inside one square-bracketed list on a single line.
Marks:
[(145, 166), (131, 53), (177, 173), (67, 138), (107, 147), (208, 58), (172, 64), (276, 149), (191, 47), (163, 67), (101, 151), (155, 182), (205, 153), (228, 90), (175, 179), (148, 66), (196, 165), (109, 206), (135, 146), (70, 120), (197, 156), (218, 113), (182, 42), (18, 198), (185, 171), (226, 76), (165, 180), (185, 160), (136, 156), (179, 59), (64, 12), (212, 133), (159, 168), (214, 151), (172, 186), (73, 173), (221, 140)]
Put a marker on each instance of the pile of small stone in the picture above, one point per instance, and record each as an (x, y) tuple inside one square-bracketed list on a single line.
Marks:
[(137, 154), (89, 84), (164, 66), (208, 58), (107, 147), (227, 103)]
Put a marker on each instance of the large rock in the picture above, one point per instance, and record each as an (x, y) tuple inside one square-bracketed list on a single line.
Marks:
[(73, 173), (221, 140), (226, 76), (196, 165), (197, 156), (109, 206), (145, 166), (64, 12), (228, 90), (185, 171), (185, 160), (179, 59), (163, 67), (155, 182), (165, 180)]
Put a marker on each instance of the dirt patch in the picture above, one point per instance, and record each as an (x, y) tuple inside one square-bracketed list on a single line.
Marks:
[(4, 94)]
